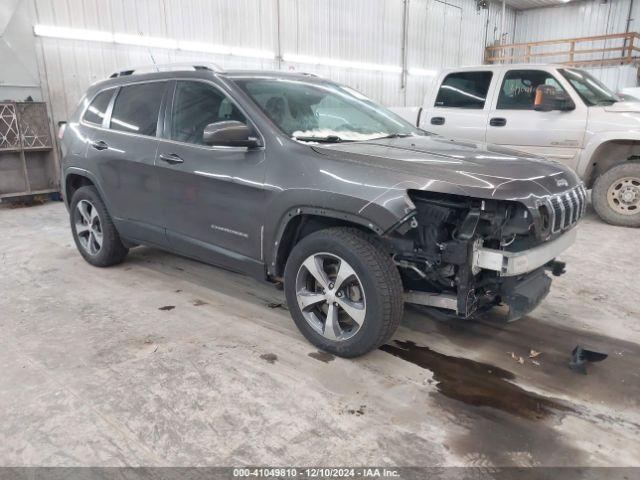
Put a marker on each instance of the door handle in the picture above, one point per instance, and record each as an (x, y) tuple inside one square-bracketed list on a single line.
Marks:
[(437, 120), (171, 158), (99, 145), (498, 122)]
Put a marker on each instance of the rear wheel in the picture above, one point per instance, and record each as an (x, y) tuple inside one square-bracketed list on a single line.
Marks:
[(344, 292), (616, 195), (93, 231)]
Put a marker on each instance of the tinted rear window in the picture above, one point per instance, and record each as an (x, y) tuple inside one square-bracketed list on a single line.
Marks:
[(98, 108), (464, 90), (136, 108)]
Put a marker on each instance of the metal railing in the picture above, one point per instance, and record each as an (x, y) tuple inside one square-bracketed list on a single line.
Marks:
[(612, 49)]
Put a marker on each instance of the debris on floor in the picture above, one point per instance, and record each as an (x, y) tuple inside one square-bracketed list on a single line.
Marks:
[(322, 356), (357, 412), (517, 358), (167, 307), (269, 357), (277, 305), (579, 357), (198, 303)]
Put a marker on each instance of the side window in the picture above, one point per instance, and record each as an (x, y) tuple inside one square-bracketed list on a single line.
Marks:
[(136, 108), (518, 88), (97, 110), (196, 105), (464, 90)]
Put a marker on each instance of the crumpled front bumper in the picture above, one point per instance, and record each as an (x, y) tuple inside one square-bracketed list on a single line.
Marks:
[(509, 264)]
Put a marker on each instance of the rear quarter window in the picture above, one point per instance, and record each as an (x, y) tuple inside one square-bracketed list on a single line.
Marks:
[(97, 110)]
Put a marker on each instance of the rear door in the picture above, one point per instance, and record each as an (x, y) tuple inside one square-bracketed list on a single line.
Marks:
[(513, 122), (122, 151), (212, 197), (460, 107)]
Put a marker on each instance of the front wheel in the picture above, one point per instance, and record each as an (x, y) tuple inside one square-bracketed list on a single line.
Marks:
[(343, 291), (616, 195)]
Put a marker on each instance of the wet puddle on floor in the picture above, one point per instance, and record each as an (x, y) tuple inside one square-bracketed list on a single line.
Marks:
[(475, 383)]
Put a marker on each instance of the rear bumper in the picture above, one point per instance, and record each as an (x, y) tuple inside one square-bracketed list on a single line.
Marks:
[(509, 264)]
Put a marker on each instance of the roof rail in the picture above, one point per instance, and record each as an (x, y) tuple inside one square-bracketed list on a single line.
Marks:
[(167, 67)]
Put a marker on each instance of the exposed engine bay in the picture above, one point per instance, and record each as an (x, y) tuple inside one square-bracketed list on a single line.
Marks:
[(445, 252)]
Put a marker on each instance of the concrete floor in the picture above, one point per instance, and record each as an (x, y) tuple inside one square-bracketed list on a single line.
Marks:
[(94, 373)]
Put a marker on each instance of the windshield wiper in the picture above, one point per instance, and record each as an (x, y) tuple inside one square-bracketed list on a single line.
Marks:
[(327, 139), (394, 135)]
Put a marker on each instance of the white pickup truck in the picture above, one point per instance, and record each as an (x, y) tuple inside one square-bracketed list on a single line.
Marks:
[(561, 113)]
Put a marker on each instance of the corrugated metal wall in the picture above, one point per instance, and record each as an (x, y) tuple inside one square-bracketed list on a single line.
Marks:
[(576, 19), (441, 33), (582, 19), (449, 34)]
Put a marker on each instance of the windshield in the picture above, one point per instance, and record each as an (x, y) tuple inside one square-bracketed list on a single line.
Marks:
[(591, 90), (315, 111)]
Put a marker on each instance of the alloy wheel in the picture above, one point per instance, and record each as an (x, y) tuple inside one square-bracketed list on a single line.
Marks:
[(331, 296), (88, 227)]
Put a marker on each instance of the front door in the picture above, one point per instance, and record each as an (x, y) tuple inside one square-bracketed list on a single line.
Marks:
[(514, 123), (212, 197)]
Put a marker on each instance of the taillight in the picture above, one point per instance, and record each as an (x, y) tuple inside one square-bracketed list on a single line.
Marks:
[(62, 126)]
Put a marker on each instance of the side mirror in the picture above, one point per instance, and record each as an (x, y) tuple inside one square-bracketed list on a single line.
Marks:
[(229, 133), (547, 98)]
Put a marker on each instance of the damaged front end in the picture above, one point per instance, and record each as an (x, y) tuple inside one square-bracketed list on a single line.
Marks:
[(466, 255)]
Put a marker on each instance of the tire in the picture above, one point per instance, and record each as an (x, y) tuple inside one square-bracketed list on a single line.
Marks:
[(367, 288), (607, 195), (86, 207)]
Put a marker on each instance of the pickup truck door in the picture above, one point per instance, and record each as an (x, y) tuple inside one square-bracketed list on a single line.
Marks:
[(459, 107), (213, 197), (513, 122)]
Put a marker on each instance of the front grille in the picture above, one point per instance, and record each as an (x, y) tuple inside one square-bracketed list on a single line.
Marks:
[(567, 208)]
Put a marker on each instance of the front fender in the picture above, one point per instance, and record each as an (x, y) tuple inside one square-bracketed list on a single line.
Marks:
[(292, 203), (595, 141)]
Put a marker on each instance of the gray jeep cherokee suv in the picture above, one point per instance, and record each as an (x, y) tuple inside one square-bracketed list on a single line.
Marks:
[(296, 179)]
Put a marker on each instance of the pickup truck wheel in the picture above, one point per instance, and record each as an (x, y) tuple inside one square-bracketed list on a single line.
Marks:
[(343, 291), (616, 195), (93, 231)]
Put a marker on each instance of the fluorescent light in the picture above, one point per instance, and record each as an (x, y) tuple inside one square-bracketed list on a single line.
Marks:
[(72, 33), (334, 62), (144, 41), (252, 52), (204, 47), (421, 72)]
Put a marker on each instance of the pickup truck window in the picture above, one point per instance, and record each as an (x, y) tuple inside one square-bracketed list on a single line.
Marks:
[(519, 88), (591, 91), (321, 111), (464, 90), (196, 105)]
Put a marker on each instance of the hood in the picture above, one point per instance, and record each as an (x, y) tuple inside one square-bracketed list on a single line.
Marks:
[(476, 169), (623, 107)]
